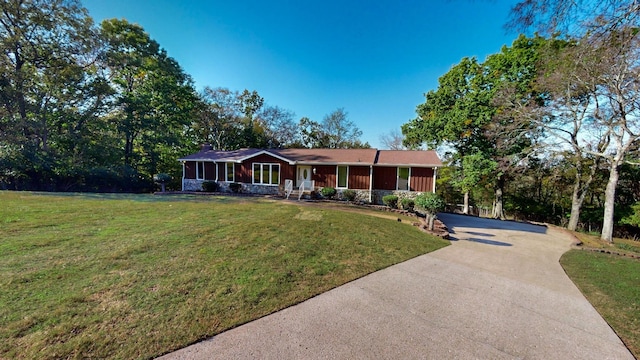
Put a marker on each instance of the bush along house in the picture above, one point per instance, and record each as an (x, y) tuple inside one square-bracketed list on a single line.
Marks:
[(371, 173)]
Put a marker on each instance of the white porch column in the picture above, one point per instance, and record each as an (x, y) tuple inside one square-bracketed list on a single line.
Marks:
[(435, 176), (370, 183), (183, 174)]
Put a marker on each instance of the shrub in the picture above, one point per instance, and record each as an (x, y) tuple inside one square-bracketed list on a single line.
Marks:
[(162, 179), (235, 187), (407, 204), (391, 201), (210, 186), (349, 195), (430, 204), (328, 192)]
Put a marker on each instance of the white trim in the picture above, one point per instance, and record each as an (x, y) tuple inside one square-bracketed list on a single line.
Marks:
[(215, 164), (435, 177), (291, 162), (338, 177), (371, 184), (299, 178), (408, 178), (202, 176), (226, 171), (183, 173), (270, 173)]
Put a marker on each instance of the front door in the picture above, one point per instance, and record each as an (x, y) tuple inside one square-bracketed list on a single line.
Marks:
[(304, 174)]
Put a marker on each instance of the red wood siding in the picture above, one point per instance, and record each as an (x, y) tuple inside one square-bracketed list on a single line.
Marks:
[(221, 173), (209, 171), (384, 178), (325, 176), (358, 177), (421, 179), (286, 171), (189, 169)]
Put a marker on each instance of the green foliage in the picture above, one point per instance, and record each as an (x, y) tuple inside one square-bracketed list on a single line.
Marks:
[(335, 132), (430, 203), (162, 178), (612, 285), (349, 195), (328, 192), (235, 187), (407, 204), (210, 186), (391, 201), (476, 169), (633, 218)]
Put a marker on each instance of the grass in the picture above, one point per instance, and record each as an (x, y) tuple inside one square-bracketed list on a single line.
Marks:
[(623, 245), (137, 276), (611, 283)]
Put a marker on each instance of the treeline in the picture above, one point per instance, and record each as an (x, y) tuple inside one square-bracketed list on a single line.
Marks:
[(104, 108), (548, 128)]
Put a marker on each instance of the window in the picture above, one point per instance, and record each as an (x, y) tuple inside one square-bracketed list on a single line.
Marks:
[(403, 178), (266, 174), (343, 174), (199, 170), (230, 172)]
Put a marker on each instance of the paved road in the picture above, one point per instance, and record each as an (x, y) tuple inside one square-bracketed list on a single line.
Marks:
[(498, 292)]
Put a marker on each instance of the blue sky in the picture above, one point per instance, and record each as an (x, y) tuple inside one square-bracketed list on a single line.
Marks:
[(375, 59)]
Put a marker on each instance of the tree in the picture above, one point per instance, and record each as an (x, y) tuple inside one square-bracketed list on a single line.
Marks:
[(575, 18), (49, 90), (335, 132), (341, 132), (454, 114), (393, 140), (430, 204), (219, 119), (608, 54), (154, 98), (476, 168), (280, 129)]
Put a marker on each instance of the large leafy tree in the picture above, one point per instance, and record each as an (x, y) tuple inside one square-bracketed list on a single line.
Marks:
[(49, 91), (154, 99), (335, 131), (466, 113), (607, 58)]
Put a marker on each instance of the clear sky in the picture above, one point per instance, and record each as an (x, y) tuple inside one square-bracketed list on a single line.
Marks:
[(373, 58)]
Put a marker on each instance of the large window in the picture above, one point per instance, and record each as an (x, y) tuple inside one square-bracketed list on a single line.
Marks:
[(230, 172), (343, 175), (266, 174), (199, 170), (403, 178)]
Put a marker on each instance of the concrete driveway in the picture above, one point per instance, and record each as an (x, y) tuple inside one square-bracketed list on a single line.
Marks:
[(498, 292)]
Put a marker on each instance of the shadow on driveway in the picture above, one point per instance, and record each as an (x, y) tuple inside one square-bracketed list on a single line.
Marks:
[(457, 221)]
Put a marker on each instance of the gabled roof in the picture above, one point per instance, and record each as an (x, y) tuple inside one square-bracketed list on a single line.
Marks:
[(408, 157), (222, 155), (325, 156), (329, 156)]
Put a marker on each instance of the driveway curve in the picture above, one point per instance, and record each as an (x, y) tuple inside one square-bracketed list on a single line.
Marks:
[(498, 292)]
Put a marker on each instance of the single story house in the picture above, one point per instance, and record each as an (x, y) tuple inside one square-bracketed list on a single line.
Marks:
[(371, 173)]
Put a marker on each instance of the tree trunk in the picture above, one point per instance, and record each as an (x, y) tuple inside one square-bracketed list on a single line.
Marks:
[(465, 208), (580, 189), (609, 202), (498, 209)]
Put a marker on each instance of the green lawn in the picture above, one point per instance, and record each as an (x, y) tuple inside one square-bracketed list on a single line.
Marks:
[(136, 276), (612, 285)]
